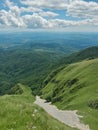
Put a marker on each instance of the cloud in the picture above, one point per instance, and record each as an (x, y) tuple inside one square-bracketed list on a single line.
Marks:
[(48, 14), (53, 4), (12, 17), (9, 4), (35, 21), (35, 15), (57, 23), (83, 9), (30, 9)]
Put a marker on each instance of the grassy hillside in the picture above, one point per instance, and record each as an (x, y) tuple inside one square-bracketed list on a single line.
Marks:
[(18, 112), (75, 87), (25, 66)]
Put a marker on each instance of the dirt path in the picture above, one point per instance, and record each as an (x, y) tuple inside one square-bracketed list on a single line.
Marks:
[(69, 118)]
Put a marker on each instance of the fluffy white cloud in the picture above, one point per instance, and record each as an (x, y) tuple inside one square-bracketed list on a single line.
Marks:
[(48, 14), (57, 23), (30, 9), (34, 15), (56, 4), (35, 21), (82, 9), (10, 19)]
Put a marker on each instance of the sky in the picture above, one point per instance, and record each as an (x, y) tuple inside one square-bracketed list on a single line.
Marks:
[(68, 15)]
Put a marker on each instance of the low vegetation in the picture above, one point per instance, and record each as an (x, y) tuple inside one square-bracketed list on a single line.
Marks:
[(75, 87), (18, 112), (93, 104)]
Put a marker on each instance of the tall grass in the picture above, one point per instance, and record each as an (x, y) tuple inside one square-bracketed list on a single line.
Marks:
[(18, 112)]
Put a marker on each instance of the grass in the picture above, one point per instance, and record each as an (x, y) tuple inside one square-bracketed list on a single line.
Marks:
[(74, 87), (18, 112)]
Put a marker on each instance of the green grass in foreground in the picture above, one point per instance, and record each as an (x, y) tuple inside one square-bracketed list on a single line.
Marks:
[(73, 87), (18, 112)]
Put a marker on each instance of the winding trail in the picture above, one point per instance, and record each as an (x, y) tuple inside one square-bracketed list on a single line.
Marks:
[(69, 118)]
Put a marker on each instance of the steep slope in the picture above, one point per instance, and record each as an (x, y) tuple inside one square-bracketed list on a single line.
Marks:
[(18, 112), (25, 66), (32, 67), (75, 86)]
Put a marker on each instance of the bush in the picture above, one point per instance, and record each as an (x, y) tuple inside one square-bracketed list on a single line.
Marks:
[(16, 90), (71, 82), (51, 75), (57, 99), (93, 104), (77, 87), (48, 99)]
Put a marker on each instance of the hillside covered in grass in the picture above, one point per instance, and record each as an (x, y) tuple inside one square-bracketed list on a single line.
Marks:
[(75, 87), (18, 112)]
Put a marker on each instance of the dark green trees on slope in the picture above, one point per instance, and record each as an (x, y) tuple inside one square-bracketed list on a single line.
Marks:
[(32, 67), (24, 66), (88, 53)]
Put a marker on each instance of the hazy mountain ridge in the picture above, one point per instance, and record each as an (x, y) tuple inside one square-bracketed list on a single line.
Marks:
[(88, 53), (61, 42)]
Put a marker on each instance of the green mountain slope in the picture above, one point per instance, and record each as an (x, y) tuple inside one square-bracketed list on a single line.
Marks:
[(75, 86), (32, 67), (18, 112), (25, 66), (88, 53)]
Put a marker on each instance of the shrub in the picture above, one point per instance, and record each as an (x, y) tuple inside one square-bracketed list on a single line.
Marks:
[(16, 90), (93, 104), (48, 99), (71, 82), (77, 87), (57, 99)]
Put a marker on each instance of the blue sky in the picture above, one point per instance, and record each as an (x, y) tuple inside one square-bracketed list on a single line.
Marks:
[(68, 15)]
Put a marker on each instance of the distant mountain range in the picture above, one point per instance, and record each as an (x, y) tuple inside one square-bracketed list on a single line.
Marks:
[(88, 53), (61, 42)]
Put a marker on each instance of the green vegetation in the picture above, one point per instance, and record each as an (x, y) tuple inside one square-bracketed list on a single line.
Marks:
[(25, 66), (88, 53), (93, 104), (75, 87), (18, 112), (31, 67), (16, 90), (69, 86)]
